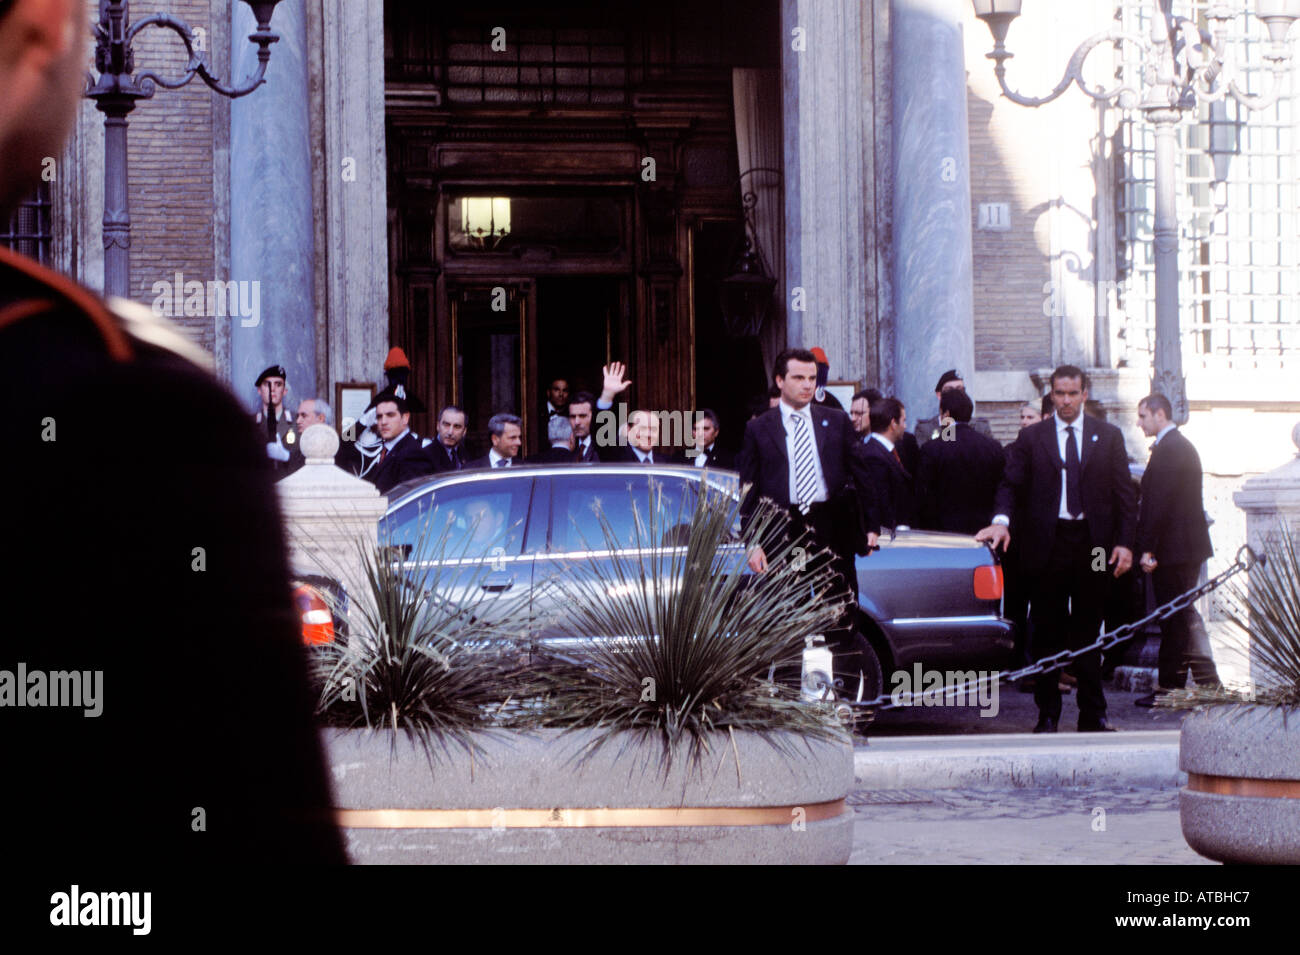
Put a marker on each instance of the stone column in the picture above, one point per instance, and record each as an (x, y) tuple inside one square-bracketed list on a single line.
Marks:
[(824, 99), (271, 208), (350, 60), (933, 295), (329, 515), (1272, 505)]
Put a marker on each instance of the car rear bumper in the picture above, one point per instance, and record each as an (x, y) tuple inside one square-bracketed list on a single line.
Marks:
[(968, 639)]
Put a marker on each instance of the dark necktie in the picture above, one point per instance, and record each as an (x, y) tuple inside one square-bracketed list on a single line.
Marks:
[(383, 453), (1073, 495), (503, 463)]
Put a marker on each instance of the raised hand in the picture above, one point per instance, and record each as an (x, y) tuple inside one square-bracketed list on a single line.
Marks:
[(615, 383)]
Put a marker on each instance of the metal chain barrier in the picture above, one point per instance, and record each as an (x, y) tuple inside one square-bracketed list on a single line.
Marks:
[(861, 711)]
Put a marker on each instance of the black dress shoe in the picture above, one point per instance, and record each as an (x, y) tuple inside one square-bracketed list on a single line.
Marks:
[(1045, 724), (1148, 701), (1096, 726)]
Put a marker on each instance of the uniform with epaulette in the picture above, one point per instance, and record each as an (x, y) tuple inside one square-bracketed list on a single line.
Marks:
[(162, 567)]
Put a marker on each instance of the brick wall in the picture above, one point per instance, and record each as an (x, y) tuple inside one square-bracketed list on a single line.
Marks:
[(171, 168)]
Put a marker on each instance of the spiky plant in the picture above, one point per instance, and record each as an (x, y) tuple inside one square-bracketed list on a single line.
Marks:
[(680, 639), (1271, 618), (429, 650)]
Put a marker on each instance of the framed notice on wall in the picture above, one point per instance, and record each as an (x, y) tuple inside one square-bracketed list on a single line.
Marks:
[(350, 400), (843, 391)]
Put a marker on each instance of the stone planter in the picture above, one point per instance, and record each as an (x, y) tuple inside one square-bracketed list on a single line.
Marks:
[(528, 801), (1241, 803)]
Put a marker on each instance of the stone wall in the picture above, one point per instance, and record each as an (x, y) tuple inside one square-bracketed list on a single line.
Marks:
[(171, 161)]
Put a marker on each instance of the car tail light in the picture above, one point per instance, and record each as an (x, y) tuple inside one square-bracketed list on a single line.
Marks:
[(988, 582), (317, 622)]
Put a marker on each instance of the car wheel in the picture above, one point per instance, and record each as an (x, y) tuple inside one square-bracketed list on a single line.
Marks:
[(871, 678)]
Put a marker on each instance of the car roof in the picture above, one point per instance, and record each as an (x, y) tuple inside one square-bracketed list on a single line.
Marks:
[(403, 492)]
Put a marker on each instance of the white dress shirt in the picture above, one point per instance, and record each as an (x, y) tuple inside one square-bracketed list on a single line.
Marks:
[(1164, 431), (889, 445), (493, 458), (645, 457), (786, 413), (1062, 512), (702, 456)]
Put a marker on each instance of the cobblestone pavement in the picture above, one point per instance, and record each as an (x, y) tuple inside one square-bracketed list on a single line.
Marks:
[(1118, 826)]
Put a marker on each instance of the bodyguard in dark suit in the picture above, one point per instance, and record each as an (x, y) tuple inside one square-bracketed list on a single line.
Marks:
[(706, 453), (506, 433), (1173, 541), (448, 450), (806, 459), (581, 411), (891, 484), (559, 434), (1067, 481), (957, 480), (403, 455)]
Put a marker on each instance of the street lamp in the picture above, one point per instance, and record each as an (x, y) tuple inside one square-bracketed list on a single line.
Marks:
[(1181, 64), (115, 94)]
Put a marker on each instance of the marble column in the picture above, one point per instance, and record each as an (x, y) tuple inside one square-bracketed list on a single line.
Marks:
[(933, 295), (826, 101), (355, 252), (271, 231)]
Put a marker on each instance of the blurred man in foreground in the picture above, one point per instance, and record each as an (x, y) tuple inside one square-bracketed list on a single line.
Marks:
[(153, 692)]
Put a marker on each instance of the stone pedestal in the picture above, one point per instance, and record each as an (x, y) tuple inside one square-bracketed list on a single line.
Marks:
[(1272, 505), (330, 516)]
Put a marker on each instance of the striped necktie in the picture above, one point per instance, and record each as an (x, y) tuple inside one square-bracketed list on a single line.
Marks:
[(805, 472)]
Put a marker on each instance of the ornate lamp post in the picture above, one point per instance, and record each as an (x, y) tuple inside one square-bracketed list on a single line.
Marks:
[(1181, 64), (115, 94), (746, 292)]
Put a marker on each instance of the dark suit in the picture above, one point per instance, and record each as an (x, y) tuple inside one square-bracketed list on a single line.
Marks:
[(552, 456), (714, 457), (891, 488), (1067, 595), (174, 733), (589, 455), (1171, 526), (837, 524), (931, 429), (486, 462), (408, 459), (957, 480), (625, 455), (909, 451), (445, 458)]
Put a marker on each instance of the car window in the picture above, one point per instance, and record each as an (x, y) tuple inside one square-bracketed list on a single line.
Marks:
[(577, 495), (477, 516)]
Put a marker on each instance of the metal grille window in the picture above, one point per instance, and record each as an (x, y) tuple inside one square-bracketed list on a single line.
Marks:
[(584, 67), (1238, 202), (30, 230)]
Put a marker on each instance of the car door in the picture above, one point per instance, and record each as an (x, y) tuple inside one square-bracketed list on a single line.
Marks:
[(465, 540), (580, 549)]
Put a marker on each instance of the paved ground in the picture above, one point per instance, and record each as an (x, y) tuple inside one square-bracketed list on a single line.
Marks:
[(1113, 826)]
